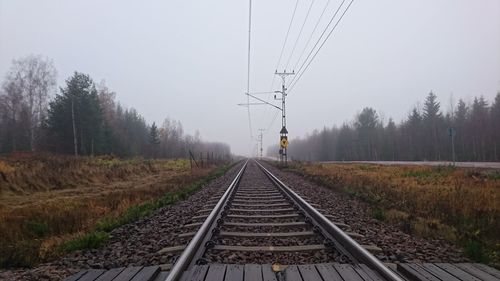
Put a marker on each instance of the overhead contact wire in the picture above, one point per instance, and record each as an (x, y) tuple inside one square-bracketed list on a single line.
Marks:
[(326, 39)]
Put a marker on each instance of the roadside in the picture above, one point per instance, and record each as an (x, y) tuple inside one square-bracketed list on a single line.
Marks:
[(137, 243), (50, 205), (482, 165), (458, 205)]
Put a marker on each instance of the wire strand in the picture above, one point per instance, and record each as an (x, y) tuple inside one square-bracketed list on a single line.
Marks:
[(286, 39), (300, 33), (317, 41), (248, 68), (311, 36), (326, 39)]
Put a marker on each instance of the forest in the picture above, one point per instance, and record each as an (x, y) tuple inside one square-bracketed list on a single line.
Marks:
[(468, 132), (83, 118)]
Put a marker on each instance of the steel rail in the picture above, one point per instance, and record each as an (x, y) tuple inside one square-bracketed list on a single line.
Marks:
[(195, 248), (347, 242)]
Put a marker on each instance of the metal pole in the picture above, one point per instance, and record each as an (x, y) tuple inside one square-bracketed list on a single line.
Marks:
[(284, 131)]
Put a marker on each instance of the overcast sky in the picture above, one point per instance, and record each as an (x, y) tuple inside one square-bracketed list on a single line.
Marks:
[(188, 59)]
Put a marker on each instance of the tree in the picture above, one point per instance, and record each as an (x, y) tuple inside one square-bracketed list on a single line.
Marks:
[(27, 88), (11, 102), (366, 124), (75, 117), (433, 121), (478, 128), (460, 124), (154, 139), (390, 141), (495, 126)]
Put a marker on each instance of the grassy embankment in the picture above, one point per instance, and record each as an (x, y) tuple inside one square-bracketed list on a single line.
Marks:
[(50, 205), (458, 204)]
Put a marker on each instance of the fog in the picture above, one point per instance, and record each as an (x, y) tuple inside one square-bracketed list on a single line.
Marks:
[(188, 59)]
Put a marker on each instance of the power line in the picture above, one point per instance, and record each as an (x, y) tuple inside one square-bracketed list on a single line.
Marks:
[(282, 50), (300, 33), (248, 68), (272, 121), (319, 39), (328, 36), (310, 36), (286, 39)]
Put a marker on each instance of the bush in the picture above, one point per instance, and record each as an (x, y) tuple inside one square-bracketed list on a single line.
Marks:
[(379, 214), (91, 240), (38, 229)]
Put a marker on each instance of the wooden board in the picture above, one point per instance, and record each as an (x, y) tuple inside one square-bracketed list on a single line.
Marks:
[(415, 273), (234, 272), (292, 273), (92, 274), (327, 272), (473, 270), (267, 273), (457, 272), (128, 273), (366, 273), (216, 272), (198, 273), (110, 274), (253, 272), (347, 272), (438, 272), (309, 272), (490, 270), (147, 273), (161, 276), (76, 276), (312, 272)]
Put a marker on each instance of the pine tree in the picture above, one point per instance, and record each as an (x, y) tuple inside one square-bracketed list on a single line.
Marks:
[(366, 123), (75, 117), (433, 121), (478, 127), (154, 139), (460, 123)]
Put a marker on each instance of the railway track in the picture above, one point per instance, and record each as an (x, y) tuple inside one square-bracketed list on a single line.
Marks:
[(258, 219)]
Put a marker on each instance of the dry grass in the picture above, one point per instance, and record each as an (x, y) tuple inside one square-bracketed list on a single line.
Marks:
[(45, 200), (458, 204)]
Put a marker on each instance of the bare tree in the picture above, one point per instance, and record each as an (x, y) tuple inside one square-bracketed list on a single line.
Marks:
[(28, 85)]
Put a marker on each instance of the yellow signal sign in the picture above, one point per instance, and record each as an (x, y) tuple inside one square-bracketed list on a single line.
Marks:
[(284, 142)]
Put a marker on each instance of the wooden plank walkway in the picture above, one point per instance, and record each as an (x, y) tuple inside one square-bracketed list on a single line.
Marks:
[(308, 272)]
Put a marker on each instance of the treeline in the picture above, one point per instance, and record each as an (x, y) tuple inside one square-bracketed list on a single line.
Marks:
[(425, 134), (84, 118)]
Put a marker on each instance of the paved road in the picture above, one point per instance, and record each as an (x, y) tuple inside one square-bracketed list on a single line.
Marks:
[(483, 165)]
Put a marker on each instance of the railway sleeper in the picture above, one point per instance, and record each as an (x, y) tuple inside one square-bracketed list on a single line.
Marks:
[(300, 248), (264, 216), (270, 224), (178, 248), (261, 205), (256, 197), (266, 234), (259, 200), (263, 210)]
